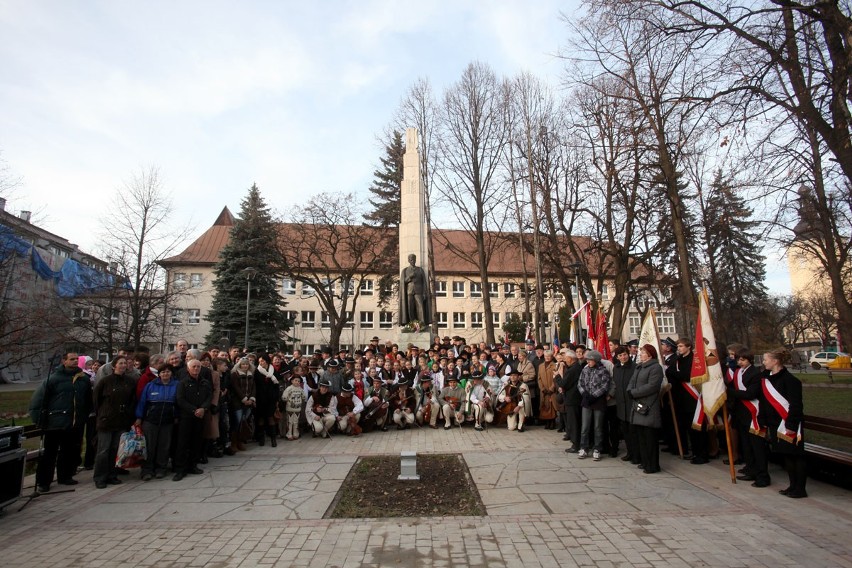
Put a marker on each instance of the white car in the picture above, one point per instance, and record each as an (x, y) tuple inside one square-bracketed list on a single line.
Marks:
[(823, 358)]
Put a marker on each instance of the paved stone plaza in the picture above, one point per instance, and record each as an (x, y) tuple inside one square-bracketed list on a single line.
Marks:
[(545, 508)]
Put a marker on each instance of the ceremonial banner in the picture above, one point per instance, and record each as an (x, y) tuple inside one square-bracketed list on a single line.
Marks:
[(556, 343), (602, 338), (572, 336), (590, 328), (706, 370), (649, 333)]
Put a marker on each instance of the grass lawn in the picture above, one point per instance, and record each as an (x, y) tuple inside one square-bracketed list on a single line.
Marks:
[(828, 403), (14, 405)]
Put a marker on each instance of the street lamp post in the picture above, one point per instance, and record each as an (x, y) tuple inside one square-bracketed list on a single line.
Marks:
[(250, 273)]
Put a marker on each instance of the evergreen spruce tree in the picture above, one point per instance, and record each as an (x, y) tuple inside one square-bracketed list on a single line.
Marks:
[(735, 262), (253, 245), (387, 184)]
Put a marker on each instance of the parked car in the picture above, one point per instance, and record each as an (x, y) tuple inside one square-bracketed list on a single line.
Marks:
[(823, 358)]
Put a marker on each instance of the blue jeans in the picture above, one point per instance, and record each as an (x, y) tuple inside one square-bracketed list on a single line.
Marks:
[(598, 416)]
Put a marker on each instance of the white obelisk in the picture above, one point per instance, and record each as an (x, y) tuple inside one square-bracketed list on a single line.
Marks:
[(413, 233)]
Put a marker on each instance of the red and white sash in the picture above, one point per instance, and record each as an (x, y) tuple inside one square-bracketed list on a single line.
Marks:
[(753, 406), (782, 407), (698, 418)]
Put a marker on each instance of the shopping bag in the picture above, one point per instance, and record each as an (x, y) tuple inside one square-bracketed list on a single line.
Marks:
[(132, 450)]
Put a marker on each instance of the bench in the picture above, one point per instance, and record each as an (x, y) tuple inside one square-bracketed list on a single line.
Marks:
[(830, 463)]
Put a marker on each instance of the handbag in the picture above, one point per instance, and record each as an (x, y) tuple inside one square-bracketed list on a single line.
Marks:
[(247, 426), (640, 408)]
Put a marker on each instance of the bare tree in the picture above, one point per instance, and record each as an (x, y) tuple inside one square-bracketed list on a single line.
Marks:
[(138, 233), (472, 137), (331, 250)]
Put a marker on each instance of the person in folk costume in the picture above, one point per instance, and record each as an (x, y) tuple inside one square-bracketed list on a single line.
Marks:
[(267, 392), (334, 376), (482, 400), (622, 373), (405, 403), (745, 392), (294, 398), (547, 392), (359, 384), (376, 403), (645, 413), (349, 409), (450, 399), (515, 397), (782, 415), (321, 410), (427, 403)]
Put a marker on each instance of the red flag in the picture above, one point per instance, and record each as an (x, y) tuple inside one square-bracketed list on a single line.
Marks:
[(602, 339), (590, 328)]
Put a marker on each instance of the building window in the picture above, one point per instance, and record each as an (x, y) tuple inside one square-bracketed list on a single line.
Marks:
[(385, 320), (349, 316), (387, 286), (604, 292), (509, 289), (666, 324), (328, 286), (557, 293), (440, 288), (476, 319), (524, 291), (475, 290), (442, 320), (347, 287), (81, 314), (495, 316), (634, 323), (493, 289), (459, 320), (367, 288), (194, 317), (309, 318), (180, 279), (308, 290), (367, 320), (511, 316), (291, 315), (177, 316), (325, 319), (195, 280), (458, 289), (288, 288)]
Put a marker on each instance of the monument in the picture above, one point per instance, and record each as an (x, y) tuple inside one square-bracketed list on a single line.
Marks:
[(414, 288)]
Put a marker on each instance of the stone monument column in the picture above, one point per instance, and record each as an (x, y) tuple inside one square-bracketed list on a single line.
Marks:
[(413, 239)]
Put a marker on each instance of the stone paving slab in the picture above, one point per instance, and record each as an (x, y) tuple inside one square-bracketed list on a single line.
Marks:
[(544, 508)]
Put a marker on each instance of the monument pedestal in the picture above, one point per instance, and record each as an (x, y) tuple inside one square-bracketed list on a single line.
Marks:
[(421, 339)]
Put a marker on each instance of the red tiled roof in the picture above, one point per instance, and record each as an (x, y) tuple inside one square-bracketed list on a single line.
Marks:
[(455, 250)]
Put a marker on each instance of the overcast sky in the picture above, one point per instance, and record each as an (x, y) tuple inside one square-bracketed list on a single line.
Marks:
[(220, 95)]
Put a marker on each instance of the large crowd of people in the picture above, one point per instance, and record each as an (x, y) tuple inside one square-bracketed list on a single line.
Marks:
[(196, 405)]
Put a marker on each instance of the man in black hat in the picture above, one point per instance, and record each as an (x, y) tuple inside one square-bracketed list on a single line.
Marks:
[(450, 399), (334, 377), (427, 403), (326, 357), (321, 410), (312, 379), (668, 349), (405, 403), (349, 409), (481, 400), (376, 403), (633, 346), (517, 396)]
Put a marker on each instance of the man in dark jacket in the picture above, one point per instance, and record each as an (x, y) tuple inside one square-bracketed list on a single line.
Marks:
[(571, 399), (194, 395), (60, 406), (685, 400)]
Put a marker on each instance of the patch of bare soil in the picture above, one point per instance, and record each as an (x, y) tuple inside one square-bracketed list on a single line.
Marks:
[(372, 490)]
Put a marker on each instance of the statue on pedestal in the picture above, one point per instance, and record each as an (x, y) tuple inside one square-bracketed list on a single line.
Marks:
[(413, 294)]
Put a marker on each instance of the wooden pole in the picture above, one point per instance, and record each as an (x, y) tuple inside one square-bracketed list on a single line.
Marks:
[(728, 439), (674, 420)]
